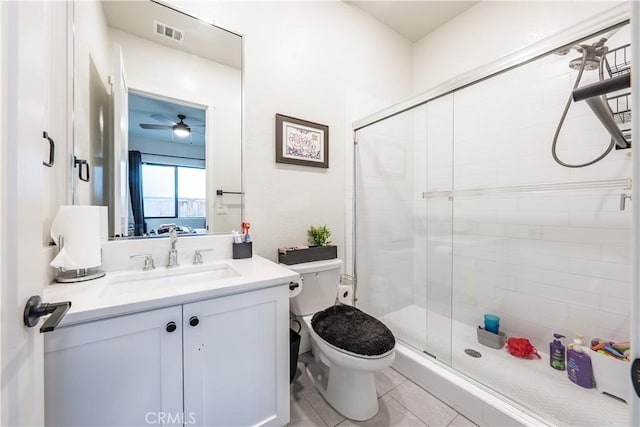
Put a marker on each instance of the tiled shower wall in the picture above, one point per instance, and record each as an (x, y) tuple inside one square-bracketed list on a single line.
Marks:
[(557, 261)]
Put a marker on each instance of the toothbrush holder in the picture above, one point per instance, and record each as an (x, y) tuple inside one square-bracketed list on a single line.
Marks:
[(242, 250), (490, 339)]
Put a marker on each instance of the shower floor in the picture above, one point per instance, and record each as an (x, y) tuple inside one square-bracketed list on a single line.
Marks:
[(532, 383)]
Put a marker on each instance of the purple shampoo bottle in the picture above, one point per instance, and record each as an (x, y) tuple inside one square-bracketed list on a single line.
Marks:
[(579, 368), (557, 353)]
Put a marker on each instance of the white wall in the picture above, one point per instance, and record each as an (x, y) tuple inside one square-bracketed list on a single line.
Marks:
[(321, 61), (490, 30)]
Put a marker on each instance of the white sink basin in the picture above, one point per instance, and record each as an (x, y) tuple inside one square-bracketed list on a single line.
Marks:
[(164, 277)]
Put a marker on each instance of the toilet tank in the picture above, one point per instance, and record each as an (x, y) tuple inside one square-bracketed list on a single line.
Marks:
[(320, 281)]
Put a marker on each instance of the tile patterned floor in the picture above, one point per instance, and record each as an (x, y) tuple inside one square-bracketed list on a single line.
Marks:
[(402, 404)]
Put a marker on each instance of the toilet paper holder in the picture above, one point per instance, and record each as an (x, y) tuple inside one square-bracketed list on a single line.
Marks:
[(295, 287), (347, 290)]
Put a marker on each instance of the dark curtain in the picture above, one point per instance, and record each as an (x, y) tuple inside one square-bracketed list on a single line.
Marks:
[(135, 190)]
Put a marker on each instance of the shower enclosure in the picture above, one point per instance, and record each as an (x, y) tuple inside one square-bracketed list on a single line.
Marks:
[(461, 210)]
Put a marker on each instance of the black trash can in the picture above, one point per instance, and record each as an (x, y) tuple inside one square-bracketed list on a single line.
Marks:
[(294, 348)]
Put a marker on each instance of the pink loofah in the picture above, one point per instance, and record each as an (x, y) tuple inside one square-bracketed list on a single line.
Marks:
[(522, 347)]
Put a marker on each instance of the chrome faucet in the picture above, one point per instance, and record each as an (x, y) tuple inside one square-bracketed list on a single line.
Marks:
[(148, 261), (173, 252), (197, 256)]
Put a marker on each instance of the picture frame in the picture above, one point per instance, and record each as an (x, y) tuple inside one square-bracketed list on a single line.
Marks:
[(301, 142)]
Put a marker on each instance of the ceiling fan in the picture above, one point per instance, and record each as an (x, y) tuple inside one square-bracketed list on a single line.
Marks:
[(180, 129)]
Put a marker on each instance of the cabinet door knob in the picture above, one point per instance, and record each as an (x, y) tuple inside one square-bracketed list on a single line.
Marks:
[(171, 326), (193, 321)]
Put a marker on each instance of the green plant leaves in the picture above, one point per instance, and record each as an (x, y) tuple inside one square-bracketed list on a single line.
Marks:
[(319, 235)]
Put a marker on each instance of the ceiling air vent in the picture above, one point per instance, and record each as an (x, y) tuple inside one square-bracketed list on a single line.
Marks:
[(164, 30)]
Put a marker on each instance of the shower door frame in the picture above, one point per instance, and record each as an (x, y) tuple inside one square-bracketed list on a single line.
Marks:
[(616, 16)]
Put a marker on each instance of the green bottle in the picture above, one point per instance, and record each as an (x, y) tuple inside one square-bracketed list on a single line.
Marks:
[(557, 353)]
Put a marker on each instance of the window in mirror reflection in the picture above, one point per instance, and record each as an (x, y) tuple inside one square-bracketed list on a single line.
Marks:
[(192, 198), (158, 191), (168, 189)]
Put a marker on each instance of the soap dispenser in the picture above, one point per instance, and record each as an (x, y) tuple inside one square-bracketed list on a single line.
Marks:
[(557, 353), (579, 368)]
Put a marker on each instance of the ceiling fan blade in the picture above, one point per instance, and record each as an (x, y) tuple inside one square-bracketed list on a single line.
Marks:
[(162, 119), (200, 131), (152, 126), (196, 125)]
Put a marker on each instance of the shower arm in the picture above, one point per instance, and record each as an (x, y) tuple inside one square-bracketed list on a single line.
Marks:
[(592, 95)]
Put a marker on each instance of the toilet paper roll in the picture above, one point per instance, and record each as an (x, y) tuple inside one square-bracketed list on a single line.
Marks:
[(295, 287), (345, 294), (80, 228)]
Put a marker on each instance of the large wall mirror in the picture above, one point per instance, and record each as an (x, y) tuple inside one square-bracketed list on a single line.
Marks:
[(157, 119)]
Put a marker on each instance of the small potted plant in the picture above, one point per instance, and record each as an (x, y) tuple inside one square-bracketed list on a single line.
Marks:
[(319, 236), (319, 248)]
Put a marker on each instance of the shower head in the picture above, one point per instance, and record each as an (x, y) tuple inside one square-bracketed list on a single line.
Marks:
[(590, 63), (591, 56)]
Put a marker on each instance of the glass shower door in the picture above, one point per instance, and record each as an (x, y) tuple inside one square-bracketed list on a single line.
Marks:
[(390, 229), (404, 225), (438, 217)]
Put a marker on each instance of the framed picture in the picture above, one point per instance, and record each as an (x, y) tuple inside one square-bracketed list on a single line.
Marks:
[(300, 142)]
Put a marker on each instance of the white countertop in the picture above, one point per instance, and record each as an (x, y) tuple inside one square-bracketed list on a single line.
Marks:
[(98, 299)]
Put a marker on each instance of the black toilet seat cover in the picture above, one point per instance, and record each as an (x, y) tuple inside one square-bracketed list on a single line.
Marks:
[(352, 330)]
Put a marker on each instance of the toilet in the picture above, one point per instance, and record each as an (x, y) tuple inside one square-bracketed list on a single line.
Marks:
[(348, 345)]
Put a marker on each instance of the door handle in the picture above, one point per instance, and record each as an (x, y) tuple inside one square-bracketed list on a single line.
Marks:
[(52, 150), (34, 309)]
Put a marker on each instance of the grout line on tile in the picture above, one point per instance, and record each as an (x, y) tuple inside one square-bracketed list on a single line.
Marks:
[(316, 412), (394, 387), (452, 420), (408, 411)]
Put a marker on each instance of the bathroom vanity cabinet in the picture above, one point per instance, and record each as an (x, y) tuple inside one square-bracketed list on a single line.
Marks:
[(213, 362)]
